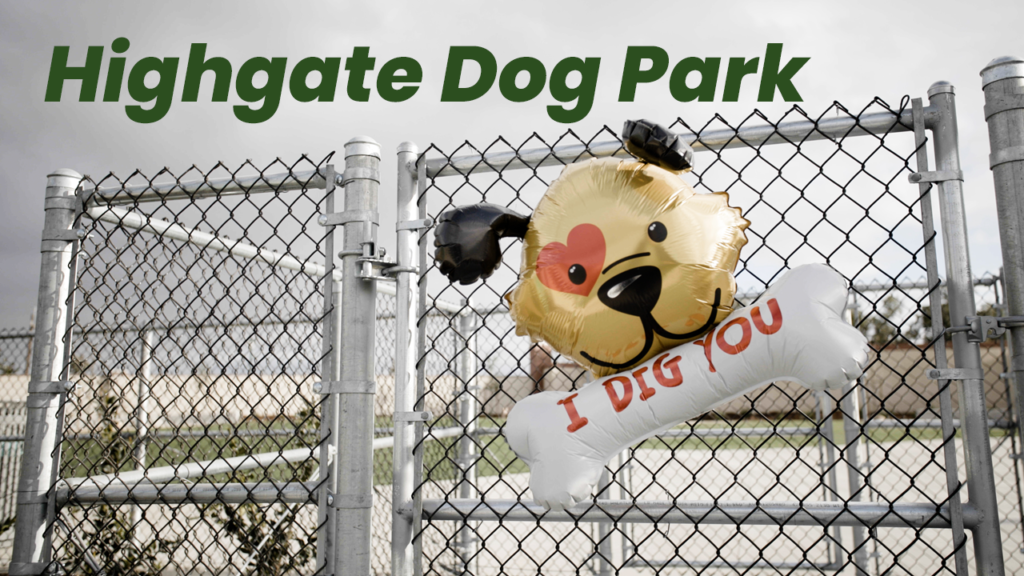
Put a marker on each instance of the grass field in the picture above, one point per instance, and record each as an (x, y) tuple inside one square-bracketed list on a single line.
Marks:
[(111, 449)]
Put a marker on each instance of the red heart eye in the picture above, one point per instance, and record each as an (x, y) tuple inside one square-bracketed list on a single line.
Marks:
[(573, 267)]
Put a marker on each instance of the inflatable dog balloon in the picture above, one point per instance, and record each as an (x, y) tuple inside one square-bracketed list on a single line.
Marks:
[(630, 272), (608, 238)]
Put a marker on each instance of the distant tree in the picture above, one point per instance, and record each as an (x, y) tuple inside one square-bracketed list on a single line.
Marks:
[(926, 311), (882, 325)]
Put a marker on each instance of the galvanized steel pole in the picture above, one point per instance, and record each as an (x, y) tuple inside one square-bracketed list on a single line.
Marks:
[(353, 486), (467, 543), (1003, 83), (421, 370), (852, 426), (934, 285), (406, 313), (328, 405), (145, 376), (34, 526), (974, 416)]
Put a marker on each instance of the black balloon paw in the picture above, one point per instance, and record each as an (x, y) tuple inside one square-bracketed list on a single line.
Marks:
[(657, 145), (467, 240)]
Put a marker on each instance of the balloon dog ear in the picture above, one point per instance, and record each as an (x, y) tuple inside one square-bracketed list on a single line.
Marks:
[(657, 145), (466, 240)]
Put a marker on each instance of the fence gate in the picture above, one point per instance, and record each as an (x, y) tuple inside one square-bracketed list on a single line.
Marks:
[(186, 399), (864, 480)]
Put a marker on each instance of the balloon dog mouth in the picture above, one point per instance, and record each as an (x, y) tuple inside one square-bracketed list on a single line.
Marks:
[(635, 292)]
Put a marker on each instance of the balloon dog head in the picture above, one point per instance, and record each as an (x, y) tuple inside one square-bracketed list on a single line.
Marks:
[(621, 258)]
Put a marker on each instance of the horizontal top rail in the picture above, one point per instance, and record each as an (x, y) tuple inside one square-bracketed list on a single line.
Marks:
[(879, 286), (237, 248), (115, 195), (785, 132), (455, 308), (225, 493)]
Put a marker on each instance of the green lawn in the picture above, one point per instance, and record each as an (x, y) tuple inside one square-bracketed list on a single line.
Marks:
[(84, 457)]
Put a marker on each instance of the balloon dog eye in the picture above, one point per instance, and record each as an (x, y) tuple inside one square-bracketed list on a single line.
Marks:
[(657, 231), (577, 274)]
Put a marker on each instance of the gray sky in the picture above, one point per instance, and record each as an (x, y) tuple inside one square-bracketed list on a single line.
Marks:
[(858, 51)]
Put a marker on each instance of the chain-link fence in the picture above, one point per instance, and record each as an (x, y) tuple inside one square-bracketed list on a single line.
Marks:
[(15, 358), (548, 371), (209, 388), (194, 344), (746, 486)]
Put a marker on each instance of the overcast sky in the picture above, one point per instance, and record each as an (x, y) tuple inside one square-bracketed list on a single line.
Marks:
[(857, 50)]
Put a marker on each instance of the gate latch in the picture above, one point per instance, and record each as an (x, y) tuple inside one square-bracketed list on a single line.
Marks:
[(983, 328)]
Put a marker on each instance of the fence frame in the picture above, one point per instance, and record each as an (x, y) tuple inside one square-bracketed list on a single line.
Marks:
[(1002, 82), (33, 530), (979, 514), (344, 495)]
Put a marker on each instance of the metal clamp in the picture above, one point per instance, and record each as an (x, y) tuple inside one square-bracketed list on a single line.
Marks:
[(354, 173), (345, 387), (350, 501), (415, 224), (1002, 103), (423, 416), (52, 387), (67, 235), (936, 176), (27, 568), (1004, 155), (348, 216), (956, 374)]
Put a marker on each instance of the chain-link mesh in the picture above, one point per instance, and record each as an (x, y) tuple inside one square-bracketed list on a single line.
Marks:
[(820, 197), (196, 336), (15, 360), (196, 339)]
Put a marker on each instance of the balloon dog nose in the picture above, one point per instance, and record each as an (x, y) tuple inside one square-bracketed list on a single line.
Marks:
[(634, 292)]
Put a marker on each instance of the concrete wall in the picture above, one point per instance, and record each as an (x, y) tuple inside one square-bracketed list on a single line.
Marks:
[(884, 384)]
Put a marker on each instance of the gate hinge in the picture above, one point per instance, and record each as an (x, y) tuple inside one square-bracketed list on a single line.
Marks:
[(414, 224), (348, 216), (67, 235), (25, 568), (370, 265), (419, 416), (956, 374), (936, 176), (52, 387)]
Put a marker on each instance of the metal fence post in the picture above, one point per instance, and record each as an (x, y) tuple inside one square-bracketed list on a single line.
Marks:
[(939, 345), (467, 543), (406, 333), (852, 427), (34, 526), (328, 405), (827, 454), (1003, 83), (974, 416), (352, 488), (145, 376)]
